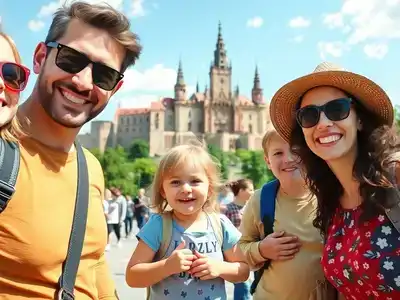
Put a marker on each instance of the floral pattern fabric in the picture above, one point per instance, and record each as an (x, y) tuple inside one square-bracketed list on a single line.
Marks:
[(362, 259)]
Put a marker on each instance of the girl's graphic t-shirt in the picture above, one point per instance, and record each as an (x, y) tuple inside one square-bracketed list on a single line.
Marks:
[(183, 285), (362, 259)]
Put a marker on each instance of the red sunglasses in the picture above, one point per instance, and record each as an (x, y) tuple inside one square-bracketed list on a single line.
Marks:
[(15, 76)]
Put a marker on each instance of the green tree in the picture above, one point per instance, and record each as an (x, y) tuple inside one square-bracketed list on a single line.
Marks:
[(117, 169), (243, 154), (143, 170), (138, 149), (254, 168), (97, 153), (221, 159)]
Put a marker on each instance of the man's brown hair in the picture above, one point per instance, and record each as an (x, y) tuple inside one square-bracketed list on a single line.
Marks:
[(101, 16)]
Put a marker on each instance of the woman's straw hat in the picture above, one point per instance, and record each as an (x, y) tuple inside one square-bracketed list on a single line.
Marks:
[(365, 91)]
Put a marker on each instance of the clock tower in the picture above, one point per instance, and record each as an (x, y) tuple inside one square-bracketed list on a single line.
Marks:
[(221, 105)]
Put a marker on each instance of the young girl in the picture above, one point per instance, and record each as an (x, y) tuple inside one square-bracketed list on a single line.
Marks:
[(242, 190), (13, 80), (195, 265), (344, 137)]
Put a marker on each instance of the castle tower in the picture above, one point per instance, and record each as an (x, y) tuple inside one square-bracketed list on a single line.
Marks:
[(220, 73), (180, 86), (257, 92)]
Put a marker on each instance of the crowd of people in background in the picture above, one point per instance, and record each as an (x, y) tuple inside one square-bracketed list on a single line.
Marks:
[(120, 211)]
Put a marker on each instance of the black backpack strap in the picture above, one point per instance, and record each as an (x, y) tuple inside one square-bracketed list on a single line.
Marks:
[(9, 167), (71, 263)]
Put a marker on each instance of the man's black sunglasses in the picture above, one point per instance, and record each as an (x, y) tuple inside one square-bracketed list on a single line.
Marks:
[(73, 61)]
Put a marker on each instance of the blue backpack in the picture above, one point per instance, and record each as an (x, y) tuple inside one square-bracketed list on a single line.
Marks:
[(267, 216)]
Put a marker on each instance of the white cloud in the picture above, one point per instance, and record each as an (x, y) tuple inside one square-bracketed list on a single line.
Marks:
[(255, 22), (140, 88), (334, 20), (377, 51), (137, 8), (335, 49), (35, 25), (298, 39), (157, 78), (299, 22), (49, 9), (367, 19)]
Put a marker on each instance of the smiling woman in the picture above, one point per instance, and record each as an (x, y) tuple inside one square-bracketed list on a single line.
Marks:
[(13, 80), (341, 125)]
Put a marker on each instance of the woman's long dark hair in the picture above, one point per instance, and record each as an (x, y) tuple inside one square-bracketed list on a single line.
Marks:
[(377, 144)]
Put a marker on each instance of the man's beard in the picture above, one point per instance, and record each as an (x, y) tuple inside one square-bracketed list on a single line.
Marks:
[(47, 100)]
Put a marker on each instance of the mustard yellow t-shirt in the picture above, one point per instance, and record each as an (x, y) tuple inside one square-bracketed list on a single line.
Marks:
[(290, 279), (36, 226)]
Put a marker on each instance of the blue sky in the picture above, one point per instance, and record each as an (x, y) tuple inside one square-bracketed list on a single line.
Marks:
[(285, 39)]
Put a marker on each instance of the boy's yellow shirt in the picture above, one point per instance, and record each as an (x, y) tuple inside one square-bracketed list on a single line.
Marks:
[(291, 279)]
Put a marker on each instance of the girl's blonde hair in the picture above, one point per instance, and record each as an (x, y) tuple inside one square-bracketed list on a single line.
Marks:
[(12, 130), (174, 159)]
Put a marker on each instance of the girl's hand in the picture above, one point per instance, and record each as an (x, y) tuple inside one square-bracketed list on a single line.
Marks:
[(180, 260), (204, 267)]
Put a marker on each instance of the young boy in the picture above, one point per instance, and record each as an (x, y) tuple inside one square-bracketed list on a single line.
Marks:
[(295, 247)]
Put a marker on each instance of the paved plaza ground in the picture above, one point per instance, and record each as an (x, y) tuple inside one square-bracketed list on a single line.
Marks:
[(118, 259)]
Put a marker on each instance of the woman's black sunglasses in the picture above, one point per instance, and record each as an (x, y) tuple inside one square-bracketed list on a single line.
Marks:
[(335, 110), (73, 61)]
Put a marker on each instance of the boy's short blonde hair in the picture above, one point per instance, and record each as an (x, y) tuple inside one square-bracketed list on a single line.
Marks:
[(269, 134)]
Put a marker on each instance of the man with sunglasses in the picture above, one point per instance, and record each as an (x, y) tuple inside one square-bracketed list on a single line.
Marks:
[(80, 67)]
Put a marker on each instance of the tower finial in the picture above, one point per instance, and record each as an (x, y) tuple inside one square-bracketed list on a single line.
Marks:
[(179, 78), (220, 57)]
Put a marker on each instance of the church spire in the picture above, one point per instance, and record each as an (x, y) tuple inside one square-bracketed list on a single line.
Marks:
[(180, 86), (257, 92), (179, 78), (220, 58), (256, 79)]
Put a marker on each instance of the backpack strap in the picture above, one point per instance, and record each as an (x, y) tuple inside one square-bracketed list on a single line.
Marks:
[(166, 234), (267, 216), (66, 282), (393, 209), (9, 168), (216, 225), (267, 205)]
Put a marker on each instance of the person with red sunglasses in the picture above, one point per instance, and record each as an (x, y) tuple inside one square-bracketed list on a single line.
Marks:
[(13, 80)]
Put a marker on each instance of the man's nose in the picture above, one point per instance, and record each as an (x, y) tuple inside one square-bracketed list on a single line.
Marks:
[(84, 79)]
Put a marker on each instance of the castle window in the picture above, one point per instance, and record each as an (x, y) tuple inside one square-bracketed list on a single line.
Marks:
[(157, 121), (250, 128), (190, 126)]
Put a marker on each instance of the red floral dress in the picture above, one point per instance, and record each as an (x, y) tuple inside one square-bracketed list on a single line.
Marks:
[(363, 260)]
